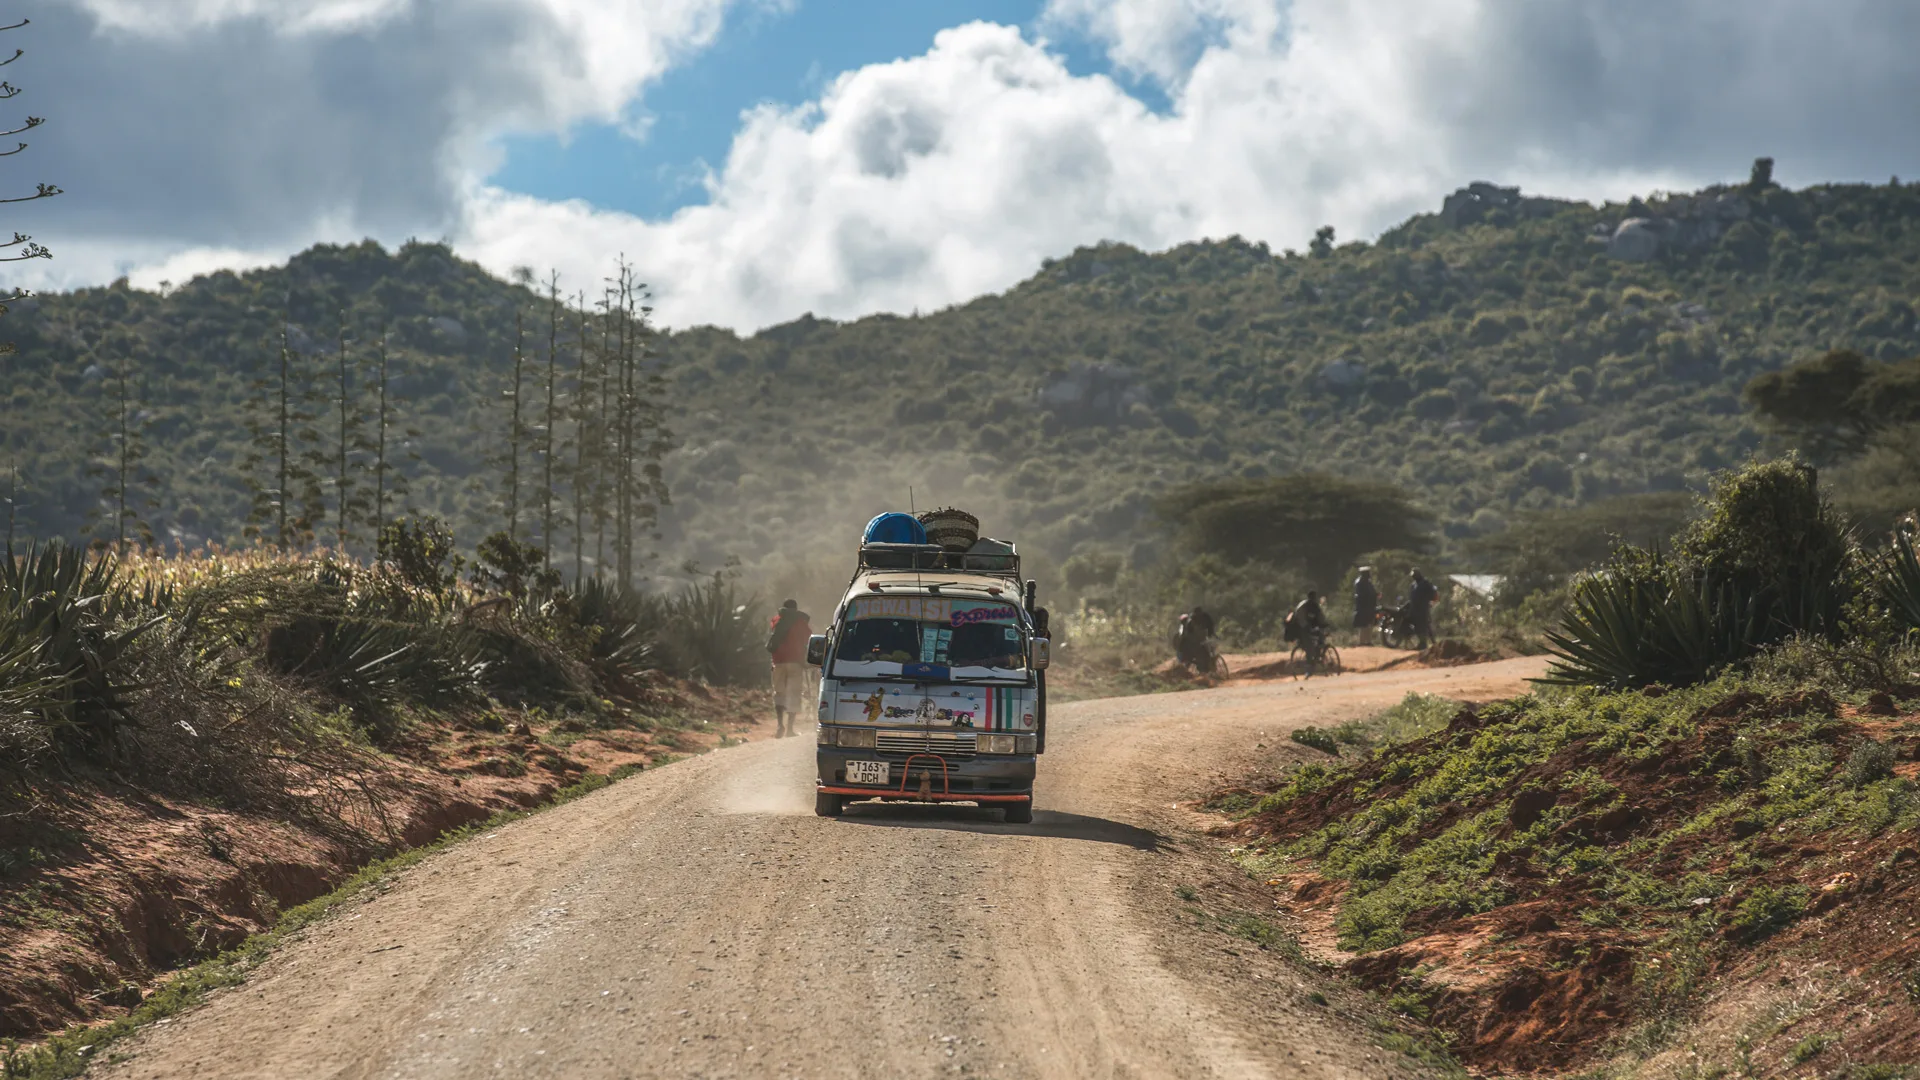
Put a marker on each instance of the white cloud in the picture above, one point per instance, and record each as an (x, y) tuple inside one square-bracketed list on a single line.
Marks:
[(929, 180), (926, 181), (185, 16), (258, 125)]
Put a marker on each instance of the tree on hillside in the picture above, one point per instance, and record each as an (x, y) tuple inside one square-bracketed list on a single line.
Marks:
[(1574, 538), (1761, 178), (350, 445), (550, 421), (128, 492), (1322, 245), (584, 407), (1313, 521), (1834, 405), (640, 436), (287, 499), (389, 481), (509, 458)]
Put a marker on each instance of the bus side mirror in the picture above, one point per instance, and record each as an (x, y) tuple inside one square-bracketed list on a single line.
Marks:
[(1042, 653), (817, 649)]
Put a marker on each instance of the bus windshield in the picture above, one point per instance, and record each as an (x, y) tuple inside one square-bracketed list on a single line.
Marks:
[(971, 639)]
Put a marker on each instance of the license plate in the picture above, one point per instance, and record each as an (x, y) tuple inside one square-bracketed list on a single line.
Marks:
[(867, 772)]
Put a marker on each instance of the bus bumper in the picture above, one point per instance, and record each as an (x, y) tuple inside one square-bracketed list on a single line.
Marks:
[(985, 779)]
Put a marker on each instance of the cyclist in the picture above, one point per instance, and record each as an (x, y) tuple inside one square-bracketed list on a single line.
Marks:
[(1307, 618), (1195, 630)]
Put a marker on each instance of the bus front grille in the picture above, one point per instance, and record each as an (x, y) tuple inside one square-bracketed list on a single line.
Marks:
[(943, 743)]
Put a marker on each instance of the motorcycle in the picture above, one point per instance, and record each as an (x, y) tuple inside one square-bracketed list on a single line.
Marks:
[(1396, 627)]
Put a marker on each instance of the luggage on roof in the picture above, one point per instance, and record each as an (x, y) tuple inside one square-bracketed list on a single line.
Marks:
[(894, 527)]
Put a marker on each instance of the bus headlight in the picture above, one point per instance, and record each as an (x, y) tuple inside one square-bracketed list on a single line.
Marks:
[(995, 744), (857, 738), (1026, 744)]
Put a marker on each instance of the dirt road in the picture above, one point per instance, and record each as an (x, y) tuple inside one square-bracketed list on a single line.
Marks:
[(699, 921)]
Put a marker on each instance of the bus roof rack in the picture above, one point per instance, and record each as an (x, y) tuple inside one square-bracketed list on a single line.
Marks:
[(1001, 561), (901, 556)]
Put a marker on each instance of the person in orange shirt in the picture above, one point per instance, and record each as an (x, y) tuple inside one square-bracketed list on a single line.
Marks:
[(787, 642)]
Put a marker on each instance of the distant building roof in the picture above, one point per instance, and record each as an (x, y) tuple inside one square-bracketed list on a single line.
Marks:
[(1484, 584)]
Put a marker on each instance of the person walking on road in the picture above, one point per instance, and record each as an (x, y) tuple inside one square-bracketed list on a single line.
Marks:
[(1420, 600), (1366, 599), (787, 642)]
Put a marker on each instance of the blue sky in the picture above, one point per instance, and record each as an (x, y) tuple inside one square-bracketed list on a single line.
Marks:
[(762, 56)]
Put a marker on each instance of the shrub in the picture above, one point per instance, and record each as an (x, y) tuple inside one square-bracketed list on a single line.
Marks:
[(1871, 761), (1768, 909), (1318, 738), (1769, 534), (421, 553), (506, 565), (1768, 560), (1809, 1048)]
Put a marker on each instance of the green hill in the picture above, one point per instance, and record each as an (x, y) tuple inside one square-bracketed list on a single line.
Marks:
[(1502, 356)]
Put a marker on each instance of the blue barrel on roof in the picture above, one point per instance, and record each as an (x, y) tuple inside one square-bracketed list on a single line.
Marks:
[(895, 528)]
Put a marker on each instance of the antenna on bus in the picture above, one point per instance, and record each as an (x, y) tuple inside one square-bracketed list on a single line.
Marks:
[(915, 511)]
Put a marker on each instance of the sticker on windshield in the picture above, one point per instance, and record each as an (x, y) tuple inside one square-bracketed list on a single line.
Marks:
[(1002, 613)]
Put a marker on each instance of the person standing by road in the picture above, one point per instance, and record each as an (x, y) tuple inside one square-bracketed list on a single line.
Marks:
[(787, 642), (1366, 599), (1420, 599)]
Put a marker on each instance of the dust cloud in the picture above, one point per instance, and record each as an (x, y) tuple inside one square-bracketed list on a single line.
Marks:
[(790, 525)]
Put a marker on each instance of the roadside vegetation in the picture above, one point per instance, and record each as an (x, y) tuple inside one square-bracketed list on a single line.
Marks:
[(295, 714), (1711, 799)]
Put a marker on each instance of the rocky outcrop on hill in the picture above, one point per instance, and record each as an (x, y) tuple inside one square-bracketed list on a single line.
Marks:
[(1681, 222), (1481, 201)]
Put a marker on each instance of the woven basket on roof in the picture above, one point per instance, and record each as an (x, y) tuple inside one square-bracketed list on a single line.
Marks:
[(955, 530)]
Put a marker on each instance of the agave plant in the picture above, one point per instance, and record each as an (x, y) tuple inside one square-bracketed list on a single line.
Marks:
[(30, 692), (76, 618), (1653, 623), (1898, 579), (715, 633), (368, 659), (623, 625)]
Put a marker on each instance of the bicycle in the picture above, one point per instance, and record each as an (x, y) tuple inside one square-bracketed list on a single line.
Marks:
[(1317, 654), (1204, 658)]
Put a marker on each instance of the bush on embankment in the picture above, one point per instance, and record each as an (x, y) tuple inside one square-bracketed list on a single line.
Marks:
[(1567, 875), (1769, 560), (169, 665)]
